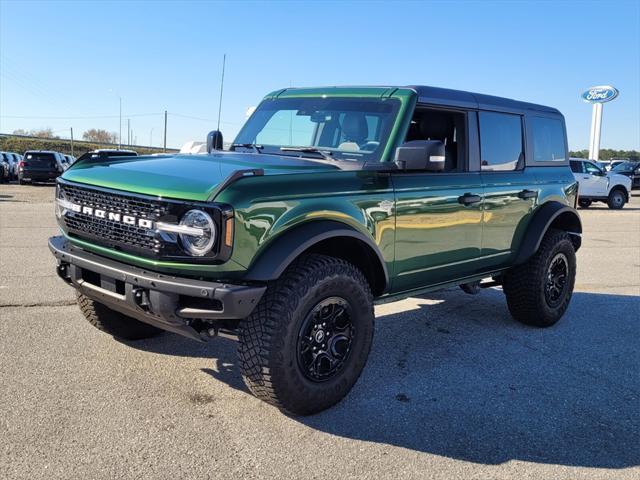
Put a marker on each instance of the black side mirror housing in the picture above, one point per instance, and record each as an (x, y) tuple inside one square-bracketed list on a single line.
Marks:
[(214, 141), (426, 155)]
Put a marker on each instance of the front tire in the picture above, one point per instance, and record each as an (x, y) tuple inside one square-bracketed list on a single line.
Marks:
[(539, 291), (616, 199), (306, 343), (584, 203), (114, 323)]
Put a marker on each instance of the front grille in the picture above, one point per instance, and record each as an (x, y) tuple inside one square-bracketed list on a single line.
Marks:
[(109, 232)]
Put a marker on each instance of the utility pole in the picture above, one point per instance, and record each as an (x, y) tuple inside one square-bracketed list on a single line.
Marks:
[(151, 137), (224, 60), (128, 131), (165, 131), (72, 141), (120, 133)]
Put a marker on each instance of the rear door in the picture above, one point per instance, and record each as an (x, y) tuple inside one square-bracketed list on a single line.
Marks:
[(510, 190)]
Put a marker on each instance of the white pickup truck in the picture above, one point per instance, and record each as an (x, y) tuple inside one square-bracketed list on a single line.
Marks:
[(597, 185)]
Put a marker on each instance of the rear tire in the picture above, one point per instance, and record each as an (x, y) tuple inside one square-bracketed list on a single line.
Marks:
[(114, 323), (539, 291), (584, 203), (616, 199), (306, 343)]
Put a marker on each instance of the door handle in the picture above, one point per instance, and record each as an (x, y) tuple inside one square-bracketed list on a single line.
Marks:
[(469, 198), (527, 194), (587, 177)]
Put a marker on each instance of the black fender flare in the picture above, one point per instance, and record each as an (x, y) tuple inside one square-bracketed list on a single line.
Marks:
[(289, 245), (551, 213)]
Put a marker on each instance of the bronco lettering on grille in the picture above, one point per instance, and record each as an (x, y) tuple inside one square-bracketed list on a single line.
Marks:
[(112, 216)]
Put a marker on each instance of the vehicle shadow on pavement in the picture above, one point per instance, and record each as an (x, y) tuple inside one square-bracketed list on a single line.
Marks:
[(454, 375)]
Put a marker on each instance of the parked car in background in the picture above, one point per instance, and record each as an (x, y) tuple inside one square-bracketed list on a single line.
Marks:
[(614, 163), (70, 159), (18, 158), (40, 166), (5, 168), (106, 153), (597, 185), (631, 170)]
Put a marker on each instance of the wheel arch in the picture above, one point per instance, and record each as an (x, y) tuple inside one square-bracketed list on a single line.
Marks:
[(623, 189), (550, 215), (326, 237)]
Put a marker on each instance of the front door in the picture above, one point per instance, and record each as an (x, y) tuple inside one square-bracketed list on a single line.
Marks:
[(594, 182), (438, 227), (438, 214)]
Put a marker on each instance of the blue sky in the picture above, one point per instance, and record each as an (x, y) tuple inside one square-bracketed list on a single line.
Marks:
[(73, 59)]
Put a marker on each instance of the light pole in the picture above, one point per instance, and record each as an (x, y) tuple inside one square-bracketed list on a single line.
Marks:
[(151, 137), (120, 122)]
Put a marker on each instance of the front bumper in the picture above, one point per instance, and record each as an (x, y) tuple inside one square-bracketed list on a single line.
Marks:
[(181, 305)]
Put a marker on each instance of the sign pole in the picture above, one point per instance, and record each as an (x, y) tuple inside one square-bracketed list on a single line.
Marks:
[(597, 96), (597, 111)]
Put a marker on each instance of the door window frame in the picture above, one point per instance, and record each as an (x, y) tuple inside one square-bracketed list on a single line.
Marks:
[(470, 129)]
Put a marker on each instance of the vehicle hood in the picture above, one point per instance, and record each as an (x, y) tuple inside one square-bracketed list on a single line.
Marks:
[(186, 177)]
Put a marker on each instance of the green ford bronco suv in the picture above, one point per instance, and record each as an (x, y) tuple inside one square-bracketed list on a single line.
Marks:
[(329, 200)]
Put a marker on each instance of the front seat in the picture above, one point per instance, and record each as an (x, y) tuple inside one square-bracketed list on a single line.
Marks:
[(354, 131), (439, 126)]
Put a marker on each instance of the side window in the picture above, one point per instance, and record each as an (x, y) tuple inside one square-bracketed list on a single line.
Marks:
[(591, 168), (576, 167), (447, 126), (500, 141), (548, 139)]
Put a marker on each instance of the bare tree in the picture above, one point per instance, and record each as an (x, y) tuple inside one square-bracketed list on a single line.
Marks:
[(20, 131), (43, 133), (100, 136)]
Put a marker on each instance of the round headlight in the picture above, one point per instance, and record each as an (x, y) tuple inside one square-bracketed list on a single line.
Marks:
[(199, 233)]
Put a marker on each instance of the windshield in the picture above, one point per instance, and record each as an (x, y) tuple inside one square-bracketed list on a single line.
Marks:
[(354, 129), (625, 166)]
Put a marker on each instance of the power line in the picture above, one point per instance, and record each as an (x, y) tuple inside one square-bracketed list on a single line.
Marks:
[(81, 117)]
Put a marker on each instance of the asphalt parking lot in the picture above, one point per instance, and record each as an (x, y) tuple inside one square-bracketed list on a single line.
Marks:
[(453, 388)]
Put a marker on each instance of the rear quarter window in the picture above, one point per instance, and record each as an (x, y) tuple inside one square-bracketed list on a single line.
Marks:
[(548, 140)]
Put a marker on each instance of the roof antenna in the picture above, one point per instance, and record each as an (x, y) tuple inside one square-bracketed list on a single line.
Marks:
[(224, 60)]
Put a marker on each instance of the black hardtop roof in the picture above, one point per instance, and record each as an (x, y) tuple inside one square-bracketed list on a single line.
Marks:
[(446, 96)]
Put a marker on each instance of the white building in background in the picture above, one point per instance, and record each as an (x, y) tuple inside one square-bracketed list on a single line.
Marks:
[(194, 147)]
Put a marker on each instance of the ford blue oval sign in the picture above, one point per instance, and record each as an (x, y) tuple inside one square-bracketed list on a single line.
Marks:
[(601, 94)]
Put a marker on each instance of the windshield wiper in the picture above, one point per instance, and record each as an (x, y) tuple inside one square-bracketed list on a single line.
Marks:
[(327, 155), (256, 148)]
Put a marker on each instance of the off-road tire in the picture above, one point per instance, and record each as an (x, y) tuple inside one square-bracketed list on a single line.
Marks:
[(22, 182), (616, 199), (584, 203), (114, 323), (268, 347), (524, 285)]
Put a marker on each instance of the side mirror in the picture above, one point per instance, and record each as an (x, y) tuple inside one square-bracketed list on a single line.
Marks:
[(214, 141), (426, 155)]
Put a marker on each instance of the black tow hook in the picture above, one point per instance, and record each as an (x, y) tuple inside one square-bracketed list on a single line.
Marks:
[(63, 272), (141, 297)]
